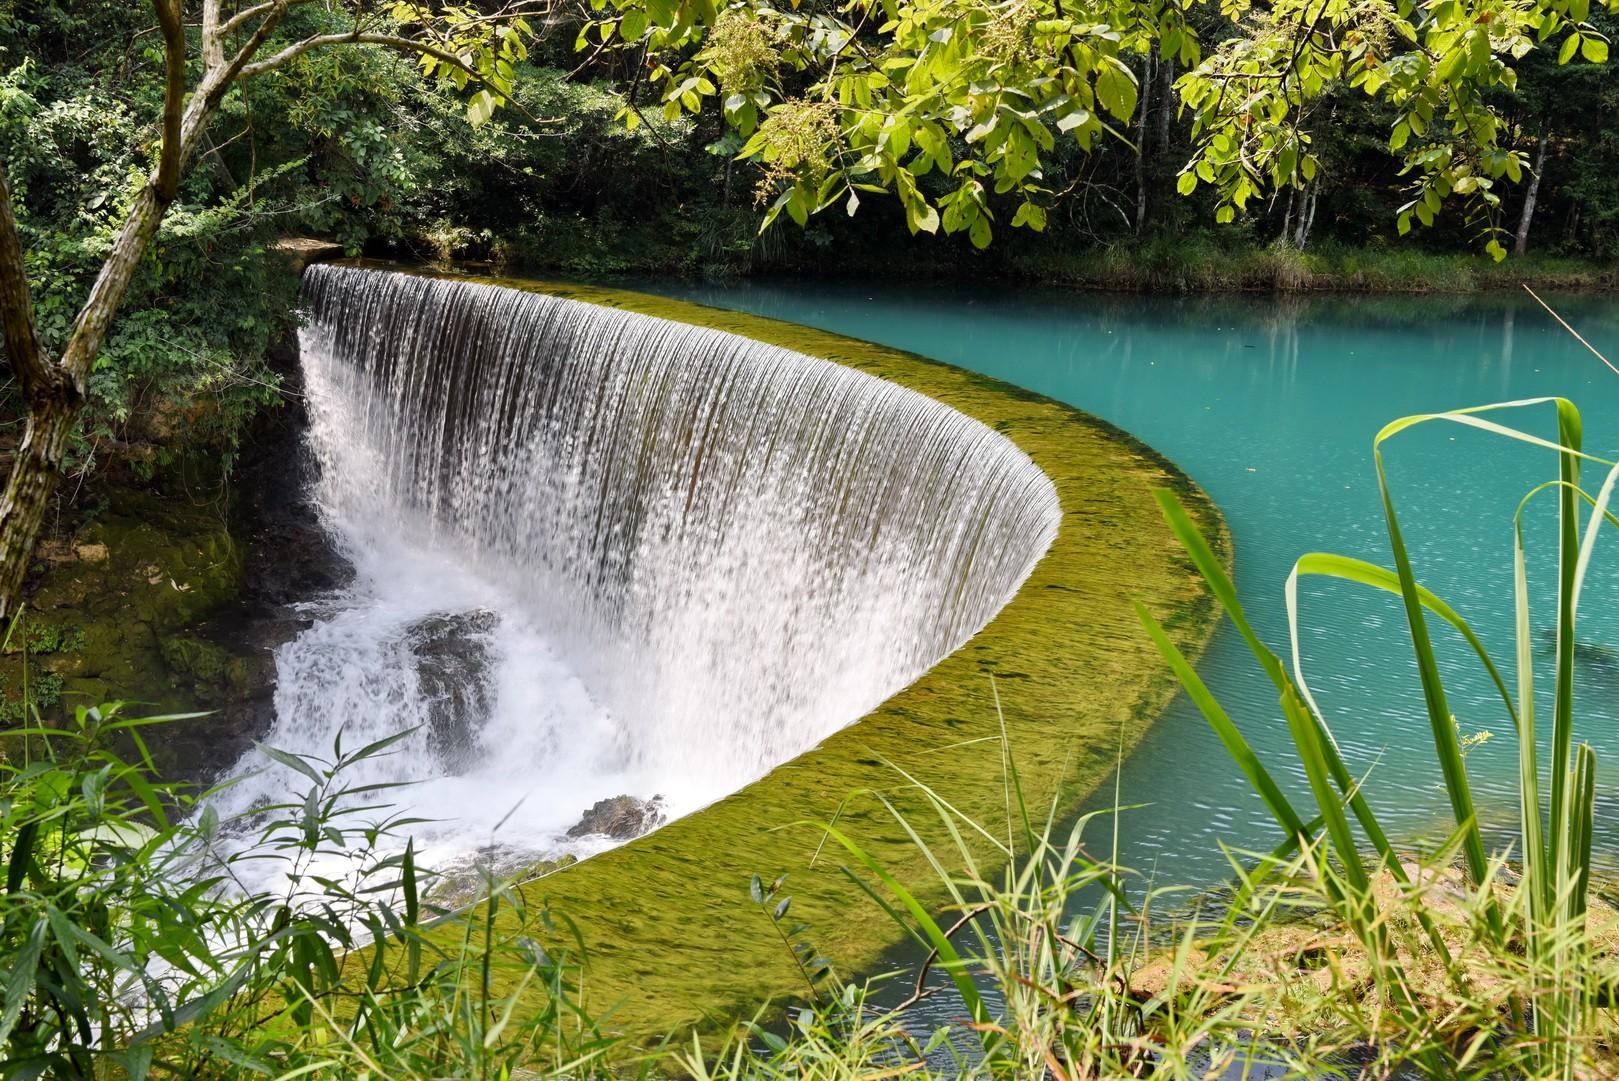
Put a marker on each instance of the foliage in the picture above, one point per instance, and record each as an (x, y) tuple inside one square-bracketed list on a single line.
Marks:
[(193, 341), (888, 97), (1065, 965), (137, 948), (372, 149), (1544, 1024)]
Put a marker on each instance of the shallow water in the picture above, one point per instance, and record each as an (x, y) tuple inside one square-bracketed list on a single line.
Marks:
[(1271, 405)]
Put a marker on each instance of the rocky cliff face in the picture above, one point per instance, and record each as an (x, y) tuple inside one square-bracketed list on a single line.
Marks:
[(172, 592)]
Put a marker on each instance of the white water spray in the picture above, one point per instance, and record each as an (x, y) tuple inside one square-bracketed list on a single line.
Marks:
[(602, 553)]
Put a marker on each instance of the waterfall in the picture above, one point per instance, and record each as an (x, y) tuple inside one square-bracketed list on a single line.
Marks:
[(600, 552)]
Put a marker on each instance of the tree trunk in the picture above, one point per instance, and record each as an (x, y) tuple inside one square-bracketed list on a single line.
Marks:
[(1166, 103), (1521, 245), (34, 473), (1143, 109), (55, 391), (54, 403), (95, 318), (1306, 220)]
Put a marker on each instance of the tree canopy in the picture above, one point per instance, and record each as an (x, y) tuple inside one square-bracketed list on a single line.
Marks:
[(873, 96), (152, 150)]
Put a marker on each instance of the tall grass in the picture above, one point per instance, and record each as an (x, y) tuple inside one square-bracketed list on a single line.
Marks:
[(1546, 1028), (134, 946)]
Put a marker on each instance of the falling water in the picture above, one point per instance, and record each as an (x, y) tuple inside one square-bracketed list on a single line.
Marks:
[(600, 552)]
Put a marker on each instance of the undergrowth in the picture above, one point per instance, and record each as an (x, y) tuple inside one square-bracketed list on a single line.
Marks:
[(136, 948)]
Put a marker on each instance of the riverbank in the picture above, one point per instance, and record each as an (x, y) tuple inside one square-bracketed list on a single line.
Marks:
[(1196, 262), (167, 582), (1197, 266)]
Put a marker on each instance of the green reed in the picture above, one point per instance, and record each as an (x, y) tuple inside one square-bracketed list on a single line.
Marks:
[(1543, 917)]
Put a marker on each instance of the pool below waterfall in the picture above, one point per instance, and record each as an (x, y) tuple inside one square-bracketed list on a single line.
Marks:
[(1271, 405)]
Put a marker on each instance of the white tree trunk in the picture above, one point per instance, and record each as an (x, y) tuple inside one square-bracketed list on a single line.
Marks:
[(1521, 244), (1306, 220), (1143, 109)]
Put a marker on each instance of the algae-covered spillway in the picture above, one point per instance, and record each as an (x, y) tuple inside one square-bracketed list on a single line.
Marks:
[(696, 551)]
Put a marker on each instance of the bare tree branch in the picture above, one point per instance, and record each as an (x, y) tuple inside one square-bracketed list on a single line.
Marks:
[(353, 37), (218, 81), (171, 23), (213, 40), (247, 15)]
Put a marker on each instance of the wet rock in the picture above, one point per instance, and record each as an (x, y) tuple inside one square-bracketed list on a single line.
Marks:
[(459, 886), (621, 818), (290, 554), (454, 669), (209, 665), (300, 251)]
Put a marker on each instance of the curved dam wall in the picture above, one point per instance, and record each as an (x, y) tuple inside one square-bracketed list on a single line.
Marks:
[(736, 548), (1061, 682)]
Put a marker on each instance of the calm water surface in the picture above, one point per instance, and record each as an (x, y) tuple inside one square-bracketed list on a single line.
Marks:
[(1271, 405)]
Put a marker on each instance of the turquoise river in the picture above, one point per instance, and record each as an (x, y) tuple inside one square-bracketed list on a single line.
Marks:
[(1271, 405)]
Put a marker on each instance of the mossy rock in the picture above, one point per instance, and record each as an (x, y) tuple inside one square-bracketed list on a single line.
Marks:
[(207, 664), (674, 938), (114, 606)]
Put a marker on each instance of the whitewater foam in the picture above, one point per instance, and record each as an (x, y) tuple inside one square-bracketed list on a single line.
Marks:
[(702, 554)]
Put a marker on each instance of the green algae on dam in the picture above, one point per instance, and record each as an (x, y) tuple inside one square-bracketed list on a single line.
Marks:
[(1063, 670)]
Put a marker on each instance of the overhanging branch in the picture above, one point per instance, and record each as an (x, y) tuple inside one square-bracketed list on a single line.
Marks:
[(390, 41), (170, 21)]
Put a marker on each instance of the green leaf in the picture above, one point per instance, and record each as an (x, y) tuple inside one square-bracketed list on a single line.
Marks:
[(24, 965), (1069, 121), (408, 879), (1570, 45), (1595, 50), (1187, 183), (1116, 89), (382, 744), (980, 233), (1313, 753), (1236, 746), (291, 761), (480, 108)]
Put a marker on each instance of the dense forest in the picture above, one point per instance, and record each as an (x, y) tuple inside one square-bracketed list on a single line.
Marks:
[(357, 145)]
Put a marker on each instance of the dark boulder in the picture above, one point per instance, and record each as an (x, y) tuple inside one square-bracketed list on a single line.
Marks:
[(621, 818), (454, 660)]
